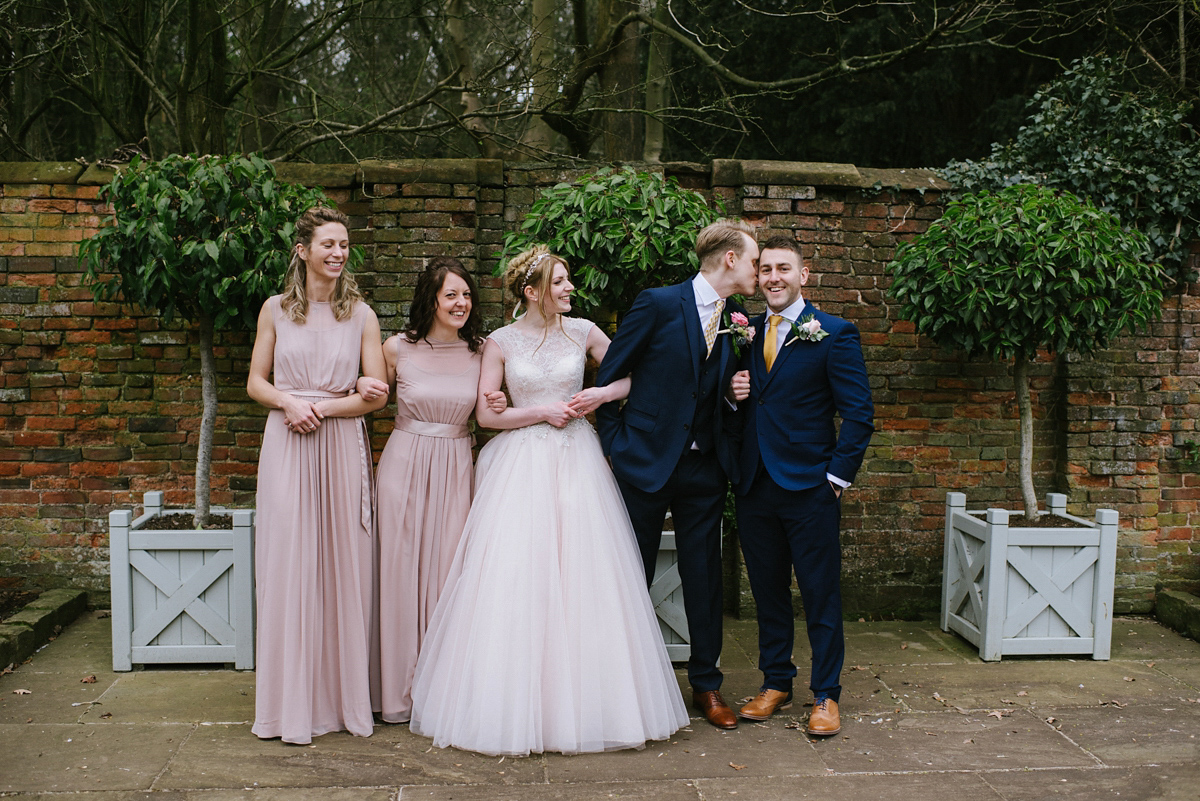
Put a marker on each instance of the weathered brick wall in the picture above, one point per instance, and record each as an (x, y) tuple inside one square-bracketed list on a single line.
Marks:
[(99, 404)]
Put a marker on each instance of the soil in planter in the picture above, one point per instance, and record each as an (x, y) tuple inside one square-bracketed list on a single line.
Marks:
[(184, 522), (12, 601), (1045, 521)]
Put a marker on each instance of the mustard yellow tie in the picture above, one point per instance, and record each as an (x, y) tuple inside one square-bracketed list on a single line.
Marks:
[(770, 347), (710, 328)]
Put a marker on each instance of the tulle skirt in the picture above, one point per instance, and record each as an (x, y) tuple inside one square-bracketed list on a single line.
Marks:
[(544, 638)]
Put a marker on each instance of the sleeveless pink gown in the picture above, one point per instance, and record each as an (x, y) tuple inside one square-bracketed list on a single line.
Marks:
[(314, 548)]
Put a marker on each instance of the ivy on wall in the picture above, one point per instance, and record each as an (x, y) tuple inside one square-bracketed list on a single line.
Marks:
[(1131, 154)]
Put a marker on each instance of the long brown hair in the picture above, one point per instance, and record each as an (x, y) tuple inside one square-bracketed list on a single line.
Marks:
[(425, 302), (294, 301)]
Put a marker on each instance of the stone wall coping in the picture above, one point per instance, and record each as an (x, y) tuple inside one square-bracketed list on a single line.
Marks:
[(40, 172), (490, 172)]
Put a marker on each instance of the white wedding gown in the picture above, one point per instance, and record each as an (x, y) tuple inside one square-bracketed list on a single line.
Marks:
[(544, 638)]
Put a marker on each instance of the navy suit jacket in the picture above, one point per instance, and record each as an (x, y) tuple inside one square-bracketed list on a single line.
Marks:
[(790, 411), (659, 344)]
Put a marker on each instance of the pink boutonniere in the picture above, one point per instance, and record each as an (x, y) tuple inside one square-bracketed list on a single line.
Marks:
[(807, 329), (737, 325)]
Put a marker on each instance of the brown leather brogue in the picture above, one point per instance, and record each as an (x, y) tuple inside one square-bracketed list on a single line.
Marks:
[(714, 709), (765, 704), (824, 720)]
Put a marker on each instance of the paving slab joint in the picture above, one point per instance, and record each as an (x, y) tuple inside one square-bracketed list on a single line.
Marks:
[(42, 618), (1178, 610)]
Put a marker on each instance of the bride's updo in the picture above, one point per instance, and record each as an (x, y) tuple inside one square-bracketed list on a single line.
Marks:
[(531, 268)]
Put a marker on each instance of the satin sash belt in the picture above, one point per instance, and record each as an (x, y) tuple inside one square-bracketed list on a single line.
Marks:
[(364, 453), (424, 429)]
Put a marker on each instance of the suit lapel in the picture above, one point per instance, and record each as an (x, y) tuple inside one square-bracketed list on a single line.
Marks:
[(691, 324)]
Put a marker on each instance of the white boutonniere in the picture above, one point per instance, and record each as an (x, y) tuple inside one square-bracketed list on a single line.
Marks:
[(807, 329)]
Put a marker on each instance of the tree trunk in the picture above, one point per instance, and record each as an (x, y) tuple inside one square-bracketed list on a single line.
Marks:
[(208, 419), (539, 136), (265, 88), (619, 85), (657, 67), (456, 30), (1025, 411)]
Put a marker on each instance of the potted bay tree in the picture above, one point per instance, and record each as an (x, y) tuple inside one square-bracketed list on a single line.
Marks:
[(1005, 275), (205, 240)]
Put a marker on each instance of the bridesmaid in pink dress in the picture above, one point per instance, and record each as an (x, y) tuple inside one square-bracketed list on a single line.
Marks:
[(425, 473), (315, 548)]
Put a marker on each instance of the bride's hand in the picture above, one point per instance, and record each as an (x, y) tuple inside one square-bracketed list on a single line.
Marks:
[(558, 414), (588, 400), (497, 401)]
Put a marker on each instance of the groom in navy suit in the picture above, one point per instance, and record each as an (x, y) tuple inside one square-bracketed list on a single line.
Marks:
[(671, 445), (805, 366)]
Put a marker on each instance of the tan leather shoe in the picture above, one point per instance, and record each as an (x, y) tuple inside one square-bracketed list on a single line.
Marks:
[(715, 710), (824, 719), (765, 704)]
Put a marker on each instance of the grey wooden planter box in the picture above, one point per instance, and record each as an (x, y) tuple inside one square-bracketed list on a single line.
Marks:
[(181, 596), (666, 594), (1029, 591)]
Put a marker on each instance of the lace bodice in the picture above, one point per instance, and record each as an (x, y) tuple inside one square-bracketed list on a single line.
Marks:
[(539, 371)]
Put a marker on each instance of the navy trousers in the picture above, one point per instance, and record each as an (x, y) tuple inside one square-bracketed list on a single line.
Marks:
[(695, 494), (781, 531)]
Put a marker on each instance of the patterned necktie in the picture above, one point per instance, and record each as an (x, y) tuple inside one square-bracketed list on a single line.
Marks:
[(770, 346), (710, 328)]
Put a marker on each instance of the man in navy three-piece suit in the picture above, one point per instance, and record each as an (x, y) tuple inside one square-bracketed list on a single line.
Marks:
[(673, 444), (805, 366)]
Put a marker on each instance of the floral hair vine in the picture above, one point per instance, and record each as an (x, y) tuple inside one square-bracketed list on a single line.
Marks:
[(532, 266)]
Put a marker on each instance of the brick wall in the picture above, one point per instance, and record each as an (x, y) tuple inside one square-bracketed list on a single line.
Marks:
[(99, 404)]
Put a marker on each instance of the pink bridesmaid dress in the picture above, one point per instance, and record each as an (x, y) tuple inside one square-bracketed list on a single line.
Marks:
[(424, 493), (314, 547)]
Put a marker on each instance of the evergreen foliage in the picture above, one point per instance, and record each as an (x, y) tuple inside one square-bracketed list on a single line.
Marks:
[(1004, 274), (206, 239), (621, 231), (1131, 154)]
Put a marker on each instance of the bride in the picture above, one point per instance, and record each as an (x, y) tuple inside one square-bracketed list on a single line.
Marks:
[(545, 638)]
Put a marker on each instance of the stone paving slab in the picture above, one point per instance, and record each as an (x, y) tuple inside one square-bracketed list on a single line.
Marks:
[(1045, 683), (1152, 783), (224, 756), (152, 696), (1136, 735), (182, 733), (946, 741), (73, 758), (877, 787)]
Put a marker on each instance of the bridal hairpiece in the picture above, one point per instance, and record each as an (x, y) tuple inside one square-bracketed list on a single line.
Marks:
[(533, 266)]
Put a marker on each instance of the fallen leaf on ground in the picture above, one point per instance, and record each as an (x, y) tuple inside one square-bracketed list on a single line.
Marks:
[(793, 725), (103, 613), (1007, 701), (998, 713), (903, 646), (857, 667), (1022, 694), (736, 766), (1129, 678), (21, 691), (1115, 703), (106, 715), (88, 680), (968, 740), (1149, 664)]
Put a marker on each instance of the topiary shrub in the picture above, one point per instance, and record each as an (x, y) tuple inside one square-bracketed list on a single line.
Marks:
[(1004, 274), (620, 230), (206, 239)]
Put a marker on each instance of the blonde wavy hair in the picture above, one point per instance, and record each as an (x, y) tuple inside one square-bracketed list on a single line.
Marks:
[(532, 268), (294, 301)]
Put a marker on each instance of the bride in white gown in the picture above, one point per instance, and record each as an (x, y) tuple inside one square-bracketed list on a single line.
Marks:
[(545, 638)]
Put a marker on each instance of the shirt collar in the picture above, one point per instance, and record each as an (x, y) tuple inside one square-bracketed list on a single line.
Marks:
[(791, 313), (705, 294)]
